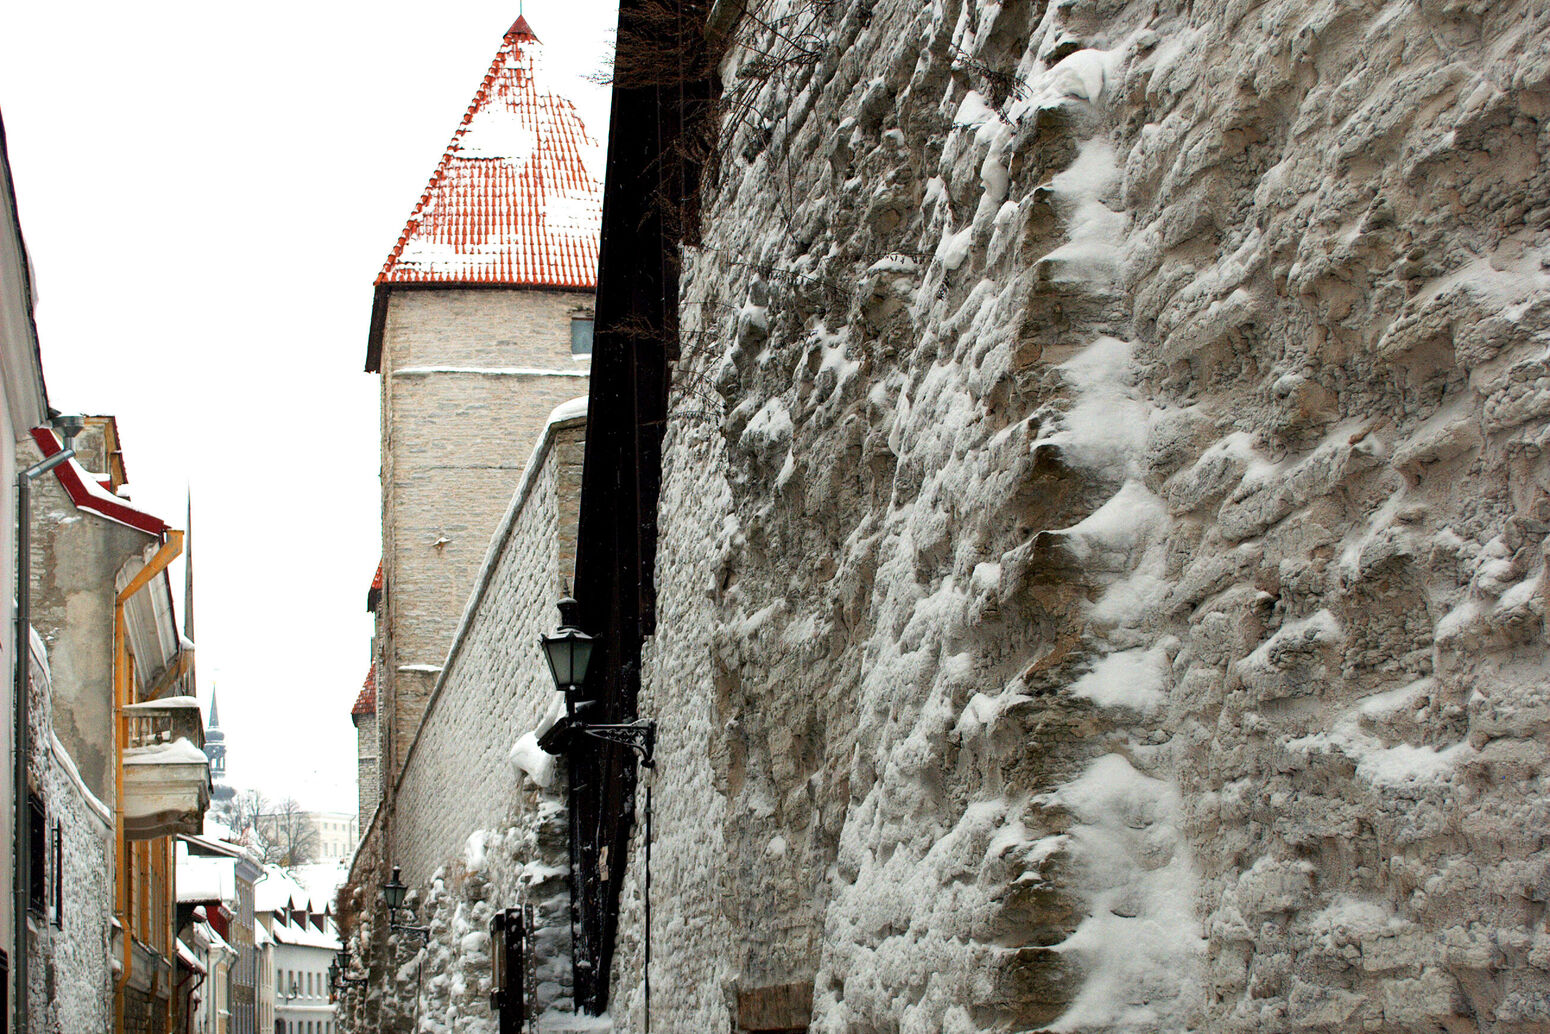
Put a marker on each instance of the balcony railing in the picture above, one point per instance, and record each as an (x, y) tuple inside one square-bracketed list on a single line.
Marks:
[(166, 774)]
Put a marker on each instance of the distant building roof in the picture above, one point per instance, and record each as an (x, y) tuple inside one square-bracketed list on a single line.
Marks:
[(366, 700), (512, 202), (374, 593)]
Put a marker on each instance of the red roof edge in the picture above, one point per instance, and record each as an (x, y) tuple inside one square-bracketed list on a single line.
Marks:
[(366, 700), (374, 593), (88, 495), (520, 27)]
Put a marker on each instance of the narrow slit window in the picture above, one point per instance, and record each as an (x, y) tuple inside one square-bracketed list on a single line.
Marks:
[(59, 874), (37, 836), (581, 335)]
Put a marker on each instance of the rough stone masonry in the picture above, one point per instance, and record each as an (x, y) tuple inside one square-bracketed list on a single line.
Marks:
[(1102, 574)]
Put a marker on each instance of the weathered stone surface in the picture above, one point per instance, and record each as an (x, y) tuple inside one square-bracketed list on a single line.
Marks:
[(1102, 571), (477, 821), (468, 378)]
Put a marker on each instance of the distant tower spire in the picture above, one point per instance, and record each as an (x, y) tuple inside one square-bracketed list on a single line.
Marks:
[(215, 751)]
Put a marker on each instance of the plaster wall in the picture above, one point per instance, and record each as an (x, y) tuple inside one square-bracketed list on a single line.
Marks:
[(1102, 577), (76, 556)]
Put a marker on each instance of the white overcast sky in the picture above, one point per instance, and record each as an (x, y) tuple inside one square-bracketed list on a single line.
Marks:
[(207, 190)]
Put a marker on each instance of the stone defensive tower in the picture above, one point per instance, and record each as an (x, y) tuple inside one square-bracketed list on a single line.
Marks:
[(481, 325)]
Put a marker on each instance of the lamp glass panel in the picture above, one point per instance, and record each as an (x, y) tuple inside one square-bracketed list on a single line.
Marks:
[(557, 654), (393, 891), (580, 658), (568, 652)]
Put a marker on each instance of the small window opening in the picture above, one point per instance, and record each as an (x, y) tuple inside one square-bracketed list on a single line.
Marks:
[(59, 874), (581, 335), (37, 844)]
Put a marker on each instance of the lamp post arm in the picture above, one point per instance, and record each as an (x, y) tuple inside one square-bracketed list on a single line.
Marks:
[(640, 736)]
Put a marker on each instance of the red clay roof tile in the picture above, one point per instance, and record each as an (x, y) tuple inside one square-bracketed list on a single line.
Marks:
[(513, 201), (366, 700)]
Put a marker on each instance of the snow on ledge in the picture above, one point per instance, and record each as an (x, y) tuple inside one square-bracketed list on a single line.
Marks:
[(179, 752), (488, 371), (67, 764), (570, 410)]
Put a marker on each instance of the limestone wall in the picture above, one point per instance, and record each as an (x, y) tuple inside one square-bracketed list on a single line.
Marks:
[(478, 820), (367, 787), (1102, 568), (468, 378)]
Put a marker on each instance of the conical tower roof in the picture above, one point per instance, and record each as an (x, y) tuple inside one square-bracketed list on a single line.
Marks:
[(513, 200)]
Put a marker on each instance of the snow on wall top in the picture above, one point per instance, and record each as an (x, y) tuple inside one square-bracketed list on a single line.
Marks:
[(513, 200)]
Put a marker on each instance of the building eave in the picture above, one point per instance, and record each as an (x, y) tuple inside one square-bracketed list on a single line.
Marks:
[(23, 367)]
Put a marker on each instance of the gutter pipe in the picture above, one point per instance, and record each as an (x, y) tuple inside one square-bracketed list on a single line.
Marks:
[(21, 867), (123, 679)]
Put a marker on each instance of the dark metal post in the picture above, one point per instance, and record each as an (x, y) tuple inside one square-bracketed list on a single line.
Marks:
[(646, 968)]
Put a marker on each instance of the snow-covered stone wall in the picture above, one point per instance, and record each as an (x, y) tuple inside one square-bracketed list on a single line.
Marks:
[(68, 971), (1102, 573), (478, 821)]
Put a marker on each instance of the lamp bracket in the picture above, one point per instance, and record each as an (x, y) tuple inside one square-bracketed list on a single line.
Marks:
[(640, 736), (422, 932)]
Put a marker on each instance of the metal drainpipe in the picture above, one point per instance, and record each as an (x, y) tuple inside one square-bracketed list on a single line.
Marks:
[(21, 868), (123, 678)]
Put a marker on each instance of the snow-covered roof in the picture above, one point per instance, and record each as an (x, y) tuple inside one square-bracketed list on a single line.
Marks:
[(305, 935), (277, 891), (162, 704), (322, 881), (203, 878), (89, 494), (513, 200), (205, 936), (188, 958)]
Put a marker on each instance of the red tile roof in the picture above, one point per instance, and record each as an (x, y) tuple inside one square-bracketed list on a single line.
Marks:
[(513, 201), (374, 593), (366, 700)]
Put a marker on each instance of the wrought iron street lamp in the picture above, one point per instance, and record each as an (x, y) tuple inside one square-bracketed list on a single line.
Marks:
[(339, 971), (394, 893), (568, 651)]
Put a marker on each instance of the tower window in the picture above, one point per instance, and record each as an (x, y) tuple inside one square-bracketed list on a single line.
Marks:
[(581, 335)]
